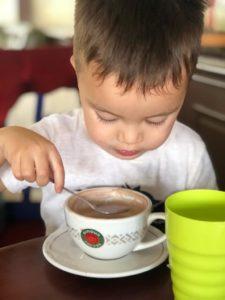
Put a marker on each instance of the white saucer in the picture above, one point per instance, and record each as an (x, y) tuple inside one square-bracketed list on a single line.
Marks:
[(61, 251)]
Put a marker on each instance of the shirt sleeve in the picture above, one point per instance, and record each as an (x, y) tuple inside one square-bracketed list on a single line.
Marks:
[(202, 174)]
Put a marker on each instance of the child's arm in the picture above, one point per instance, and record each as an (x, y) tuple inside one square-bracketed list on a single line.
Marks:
[(201, 172), (31, 156)]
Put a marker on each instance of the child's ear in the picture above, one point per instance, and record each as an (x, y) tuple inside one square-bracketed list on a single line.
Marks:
[(72, 61)]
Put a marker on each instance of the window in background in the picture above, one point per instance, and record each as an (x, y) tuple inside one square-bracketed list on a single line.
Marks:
[(54, 17), (13, 33), (9, 12), (34, 23)]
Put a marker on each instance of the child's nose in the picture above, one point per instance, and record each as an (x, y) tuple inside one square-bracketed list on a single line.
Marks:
[(130, 136)]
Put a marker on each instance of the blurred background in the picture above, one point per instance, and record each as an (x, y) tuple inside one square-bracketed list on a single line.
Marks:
[(36, 79)]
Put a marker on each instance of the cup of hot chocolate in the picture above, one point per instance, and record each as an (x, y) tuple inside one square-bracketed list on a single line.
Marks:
[(113, 235)]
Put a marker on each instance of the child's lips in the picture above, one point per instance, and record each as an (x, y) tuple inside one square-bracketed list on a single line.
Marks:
[(127, 152)]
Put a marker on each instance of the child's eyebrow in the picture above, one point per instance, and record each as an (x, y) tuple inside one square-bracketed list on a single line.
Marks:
[(102, 109), (164, 113)]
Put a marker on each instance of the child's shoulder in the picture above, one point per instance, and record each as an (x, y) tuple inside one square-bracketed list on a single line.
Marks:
[(185, 137), (64, 118), (57, 123), (61, 119)]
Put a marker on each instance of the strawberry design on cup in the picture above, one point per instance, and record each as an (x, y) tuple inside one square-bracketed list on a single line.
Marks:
[(92, 238)]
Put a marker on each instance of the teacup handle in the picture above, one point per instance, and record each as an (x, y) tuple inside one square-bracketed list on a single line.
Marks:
[(143, 245)]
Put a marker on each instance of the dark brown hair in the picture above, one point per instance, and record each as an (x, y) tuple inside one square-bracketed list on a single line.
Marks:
[(141, 41)]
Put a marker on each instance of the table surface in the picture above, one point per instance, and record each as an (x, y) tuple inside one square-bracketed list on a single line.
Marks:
[(25, 274)]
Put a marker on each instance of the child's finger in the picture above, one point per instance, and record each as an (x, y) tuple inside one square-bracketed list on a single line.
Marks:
[(27, 168), (15, 165), (42, 167), (57, 171)]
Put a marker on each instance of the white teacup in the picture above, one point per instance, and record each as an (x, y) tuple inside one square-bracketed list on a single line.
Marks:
[(110, 238)]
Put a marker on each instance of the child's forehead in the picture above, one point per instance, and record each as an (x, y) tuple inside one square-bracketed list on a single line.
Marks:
[(110, 98), (110, 82)]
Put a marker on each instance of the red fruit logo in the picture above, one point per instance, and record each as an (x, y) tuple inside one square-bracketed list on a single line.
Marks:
[(92, 238)]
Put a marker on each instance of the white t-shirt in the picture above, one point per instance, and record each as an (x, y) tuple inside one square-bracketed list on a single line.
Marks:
[(180, 163)]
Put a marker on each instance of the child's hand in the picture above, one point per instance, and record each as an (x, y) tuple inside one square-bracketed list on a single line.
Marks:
[(31, 156)]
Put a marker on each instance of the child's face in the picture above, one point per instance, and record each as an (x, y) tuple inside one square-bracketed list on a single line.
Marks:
[(127, 125)]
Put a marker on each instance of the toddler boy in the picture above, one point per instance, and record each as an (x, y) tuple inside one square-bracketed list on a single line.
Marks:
[(133, 60)]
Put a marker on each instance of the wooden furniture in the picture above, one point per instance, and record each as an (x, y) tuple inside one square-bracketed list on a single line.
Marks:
[(204, 110), (213, 40), (25, 274)]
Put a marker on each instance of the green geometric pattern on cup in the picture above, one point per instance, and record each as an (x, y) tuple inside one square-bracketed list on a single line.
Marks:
[(195, 228), (115, 239)]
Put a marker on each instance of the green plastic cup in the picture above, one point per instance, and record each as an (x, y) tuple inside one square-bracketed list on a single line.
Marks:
[(195, 229)]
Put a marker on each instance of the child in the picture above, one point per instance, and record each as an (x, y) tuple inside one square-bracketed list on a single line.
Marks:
[(133, 61)]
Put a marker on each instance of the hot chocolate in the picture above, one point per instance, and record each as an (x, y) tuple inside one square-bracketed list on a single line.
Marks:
[(132, 208), (130, 205)]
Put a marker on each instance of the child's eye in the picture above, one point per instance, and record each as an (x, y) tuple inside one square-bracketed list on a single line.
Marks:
[(106, 120), (156, 123)]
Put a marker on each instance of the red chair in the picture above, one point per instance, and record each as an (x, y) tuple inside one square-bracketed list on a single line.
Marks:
[(38, 70)]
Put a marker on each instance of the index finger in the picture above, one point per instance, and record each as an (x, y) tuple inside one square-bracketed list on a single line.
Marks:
[(57, 169)]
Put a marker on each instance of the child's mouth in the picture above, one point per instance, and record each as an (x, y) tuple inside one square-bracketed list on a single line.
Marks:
[(127, 153)]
